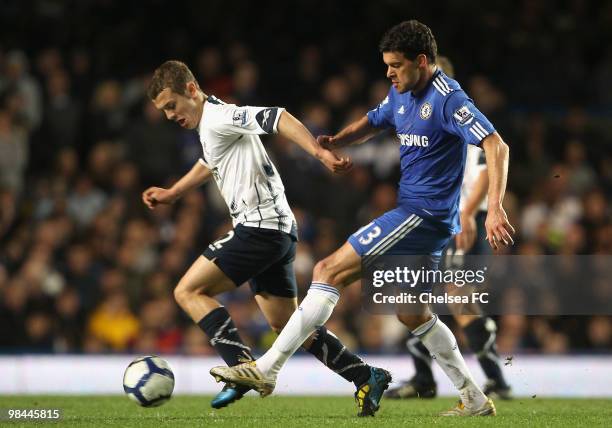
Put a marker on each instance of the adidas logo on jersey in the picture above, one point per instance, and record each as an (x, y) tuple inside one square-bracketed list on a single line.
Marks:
[(401, 110)]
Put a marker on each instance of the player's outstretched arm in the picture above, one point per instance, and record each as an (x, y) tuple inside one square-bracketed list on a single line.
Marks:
[(197, 176), (357, 132), (499, 229), (292, 129)]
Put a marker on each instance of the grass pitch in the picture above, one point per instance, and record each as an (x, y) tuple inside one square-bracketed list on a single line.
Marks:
[(279, 411)]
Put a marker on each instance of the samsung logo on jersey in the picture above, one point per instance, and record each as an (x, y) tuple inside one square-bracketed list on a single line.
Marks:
[(413, 140)]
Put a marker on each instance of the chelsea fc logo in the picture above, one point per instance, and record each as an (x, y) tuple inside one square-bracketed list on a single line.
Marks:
[(425, 111)]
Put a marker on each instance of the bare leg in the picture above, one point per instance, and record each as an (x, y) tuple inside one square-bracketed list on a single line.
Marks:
[(195, 294), (196, 290)]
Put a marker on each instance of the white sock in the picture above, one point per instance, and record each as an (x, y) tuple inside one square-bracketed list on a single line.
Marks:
[(313, 312), (442, 345)]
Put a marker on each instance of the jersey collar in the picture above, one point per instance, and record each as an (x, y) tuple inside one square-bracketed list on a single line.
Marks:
[(201, 124)]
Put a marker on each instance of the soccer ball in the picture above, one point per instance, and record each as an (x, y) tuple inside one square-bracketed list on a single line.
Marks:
[(148, 381)]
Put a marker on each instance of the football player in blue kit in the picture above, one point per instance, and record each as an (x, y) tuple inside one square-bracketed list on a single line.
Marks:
[(480, 330), (435, 121)]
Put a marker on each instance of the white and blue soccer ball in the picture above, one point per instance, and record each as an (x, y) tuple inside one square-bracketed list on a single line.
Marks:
[(149, 381)]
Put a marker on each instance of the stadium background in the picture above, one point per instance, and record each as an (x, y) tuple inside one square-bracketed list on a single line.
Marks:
[(85, 268)]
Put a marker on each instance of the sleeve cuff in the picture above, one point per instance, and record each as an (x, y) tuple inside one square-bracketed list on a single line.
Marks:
[(479, 131), (277, 119), (369, 116)]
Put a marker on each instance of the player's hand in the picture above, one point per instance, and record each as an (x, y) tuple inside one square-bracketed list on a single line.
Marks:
[(157, 195), (326, 141), (465, 239), (333, 162), (499, 229)]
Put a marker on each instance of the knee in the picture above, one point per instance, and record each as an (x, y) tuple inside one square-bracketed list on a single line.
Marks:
[(181, 295), (320, 269), (412, 321), (278, 324), (324, 271), (276, 327)]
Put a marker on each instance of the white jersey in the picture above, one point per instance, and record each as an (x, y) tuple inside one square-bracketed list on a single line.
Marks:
[(247, 179), (475, 162)]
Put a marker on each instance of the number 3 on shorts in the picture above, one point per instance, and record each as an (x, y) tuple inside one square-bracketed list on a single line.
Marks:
[(372, 234), (218, 244)]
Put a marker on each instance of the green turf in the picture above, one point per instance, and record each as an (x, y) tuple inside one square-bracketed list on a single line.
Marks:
[(277, 411)]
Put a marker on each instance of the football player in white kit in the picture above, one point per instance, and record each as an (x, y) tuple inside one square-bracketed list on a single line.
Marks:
[(261, 247)]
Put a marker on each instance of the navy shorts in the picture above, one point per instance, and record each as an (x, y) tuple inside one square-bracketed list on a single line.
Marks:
[(263, 257)]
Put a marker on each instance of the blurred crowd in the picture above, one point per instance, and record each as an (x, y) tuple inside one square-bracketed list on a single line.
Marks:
[(85, 267)]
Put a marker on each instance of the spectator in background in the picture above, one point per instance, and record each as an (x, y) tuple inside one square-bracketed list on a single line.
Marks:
[(13, 162), (245, 81), (48, 61), (17, 77), (107, 116), (553, 210), (82, 274), (582, 176), (151, 144), (62, 113), (112, 323), (13, 155), (85, 201), (336, 93), (159, 323), (210, 72), (80, 69), (13, 308), (309, 74), (597, 216), (101, 162), (69, 320), (39, 332)]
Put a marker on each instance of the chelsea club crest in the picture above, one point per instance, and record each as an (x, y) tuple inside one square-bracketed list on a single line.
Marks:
[(425, 111)]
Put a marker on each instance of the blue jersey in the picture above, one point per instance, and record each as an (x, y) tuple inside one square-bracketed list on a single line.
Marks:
[(434, 128)]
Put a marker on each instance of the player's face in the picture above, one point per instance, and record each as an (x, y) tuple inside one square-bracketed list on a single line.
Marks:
[(404, 73), (182, 109)]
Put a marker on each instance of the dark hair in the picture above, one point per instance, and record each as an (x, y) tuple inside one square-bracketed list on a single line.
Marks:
[(411, 38), (171, 74)]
